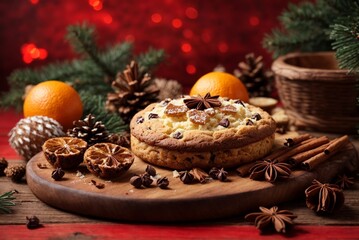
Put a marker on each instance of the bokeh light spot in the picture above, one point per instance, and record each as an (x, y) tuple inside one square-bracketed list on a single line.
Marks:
[(27, 47), (34, 2), (43, 53), (27, 58), (96, 4), (35, 53), (176, 23), (186, 47), (107, 18), (191, 13), (156, 18), (30, 52), (223, 47), (191, 69), (254, 21)]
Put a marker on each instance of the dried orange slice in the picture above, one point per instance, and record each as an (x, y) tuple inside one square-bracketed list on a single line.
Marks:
[(108, 160), (64, 152)]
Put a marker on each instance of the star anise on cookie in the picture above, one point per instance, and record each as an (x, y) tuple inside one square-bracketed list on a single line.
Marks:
[(324, 198), (279, 219), (201, 103), (269, 170)]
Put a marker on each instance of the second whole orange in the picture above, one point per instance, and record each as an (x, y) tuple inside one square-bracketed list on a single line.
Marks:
[(222, 84), (54, 99)]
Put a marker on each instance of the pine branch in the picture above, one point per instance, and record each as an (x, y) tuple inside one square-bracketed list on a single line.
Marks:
[(13, 98), (92, 73), (307, 27), (95, 104), (346, 42), (307, 15), (280, 43), (20, 78), (116, 57), (147, 61), (82, 39), (6, 201)]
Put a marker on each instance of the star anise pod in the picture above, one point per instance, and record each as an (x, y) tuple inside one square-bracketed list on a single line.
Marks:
[(269, 170), (344, 182), (201, 103), (279, 219), (186, 177), (200, 175), (324, 198)]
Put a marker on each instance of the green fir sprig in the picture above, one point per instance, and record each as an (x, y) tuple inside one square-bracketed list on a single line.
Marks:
[(324, 25), (6, 201), (96, 105), (91, 74), (304, 28), (346, 42)]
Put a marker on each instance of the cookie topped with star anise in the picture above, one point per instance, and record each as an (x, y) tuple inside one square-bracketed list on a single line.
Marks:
[(201, 131)]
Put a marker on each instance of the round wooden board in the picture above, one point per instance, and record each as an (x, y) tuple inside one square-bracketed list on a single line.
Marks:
[(120, 200)]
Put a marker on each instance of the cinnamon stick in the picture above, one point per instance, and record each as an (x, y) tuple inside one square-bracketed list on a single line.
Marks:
[(314, 161), (243, 170), (333, 147), (301, 157), (302, 147), (277, 153), (297, 140), (293, 141), (336, 144)]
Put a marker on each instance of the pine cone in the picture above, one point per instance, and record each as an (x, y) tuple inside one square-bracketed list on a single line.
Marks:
[(30, 133), (133, 92), (122, 139), (3, 166), (252, 74), (168, 88), (89, 130), (16, 172)]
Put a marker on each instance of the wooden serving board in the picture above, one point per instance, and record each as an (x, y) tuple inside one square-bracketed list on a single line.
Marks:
[(121, 201)]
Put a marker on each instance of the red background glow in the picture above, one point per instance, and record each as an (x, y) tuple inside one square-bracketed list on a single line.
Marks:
[(196, 35)]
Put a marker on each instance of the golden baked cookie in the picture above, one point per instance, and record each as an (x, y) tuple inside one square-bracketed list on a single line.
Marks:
[(201, 132)]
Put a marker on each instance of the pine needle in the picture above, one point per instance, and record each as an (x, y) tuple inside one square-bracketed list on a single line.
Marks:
[(308, 27), (90, 74), (96, 106), (6, 201), (346, 43)]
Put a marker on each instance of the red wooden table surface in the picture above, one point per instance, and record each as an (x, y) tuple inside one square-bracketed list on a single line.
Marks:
[(101, 229)]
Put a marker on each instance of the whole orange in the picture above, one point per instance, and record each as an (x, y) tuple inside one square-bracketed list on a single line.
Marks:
[(56, 100), (222, 84)]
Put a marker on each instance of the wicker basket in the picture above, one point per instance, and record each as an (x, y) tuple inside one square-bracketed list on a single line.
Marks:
[(315, 93)]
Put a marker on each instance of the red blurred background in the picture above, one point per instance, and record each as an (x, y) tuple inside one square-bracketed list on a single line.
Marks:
[(196, 35)]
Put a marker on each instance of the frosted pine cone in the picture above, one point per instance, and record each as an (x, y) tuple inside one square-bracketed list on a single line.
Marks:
[(30, 133)]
